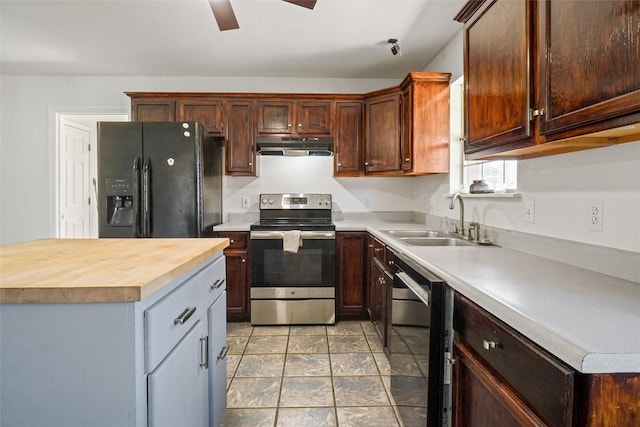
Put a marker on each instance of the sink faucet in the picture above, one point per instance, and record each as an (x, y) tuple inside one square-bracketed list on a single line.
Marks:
[(458, 196)]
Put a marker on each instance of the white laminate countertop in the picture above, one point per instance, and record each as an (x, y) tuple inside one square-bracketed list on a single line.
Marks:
[(589, 320)]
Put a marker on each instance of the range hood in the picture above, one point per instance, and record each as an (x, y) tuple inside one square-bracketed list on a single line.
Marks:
[(294, 146)]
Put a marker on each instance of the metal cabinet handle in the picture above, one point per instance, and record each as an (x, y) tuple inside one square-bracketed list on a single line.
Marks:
[(407, 159), (244, 260), (223, 352), (204, 352), (217, 283), (489, 345), (184, 316), (231, 240)]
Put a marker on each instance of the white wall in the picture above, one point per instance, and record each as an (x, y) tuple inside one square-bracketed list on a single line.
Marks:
[(27, 143), (561, 187)]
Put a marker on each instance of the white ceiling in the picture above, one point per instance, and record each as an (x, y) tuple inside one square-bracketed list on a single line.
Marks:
[(339, 38)]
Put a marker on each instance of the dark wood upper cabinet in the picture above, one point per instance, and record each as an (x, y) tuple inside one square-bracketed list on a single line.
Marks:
[(425, 123), (498, 65), (589, 58), (558, 78), (313, 117), (240, 152), (153, 110), (301, 117), (209, 112), (347, 145), (382, 143), (275, 117)]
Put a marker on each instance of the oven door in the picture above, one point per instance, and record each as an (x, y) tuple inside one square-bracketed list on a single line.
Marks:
[(312, 266)]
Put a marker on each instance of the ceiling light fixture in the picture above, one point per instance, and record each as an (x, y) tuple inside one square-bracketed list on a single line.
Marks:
[(395, 47)]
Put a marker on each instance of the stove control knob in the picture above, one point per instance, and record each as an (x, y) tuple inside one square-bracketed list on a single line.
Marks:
[(264, 201), (270, 201)]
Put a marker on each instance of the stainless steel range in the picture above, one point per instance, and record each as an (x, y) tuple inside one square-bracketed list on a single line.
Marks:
[(293, 260)]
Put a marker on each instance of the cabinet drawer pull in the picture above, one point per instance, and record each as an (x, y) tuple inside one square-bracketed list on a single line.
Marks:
[(244, 260), (217, 283), (184, 316), (204, 352), (489, 345), (223, 352), (231, 241)]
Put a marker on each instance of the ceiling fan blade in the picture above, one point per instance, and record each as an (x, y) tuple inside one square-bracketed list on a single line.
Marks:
[(309, 4), (223, 12)]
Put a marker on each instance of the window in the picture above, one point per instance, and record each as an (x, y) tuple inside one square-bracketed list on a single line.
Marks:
[(500, 175)]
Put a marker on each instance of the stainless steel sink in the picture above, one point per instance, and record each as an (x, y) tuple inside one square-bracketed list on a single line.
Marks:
[(435, 241), (413, 233)]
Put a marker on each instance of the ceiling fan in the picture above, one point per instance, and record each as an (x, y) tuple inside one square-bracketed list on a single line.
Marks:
[(226, 19)]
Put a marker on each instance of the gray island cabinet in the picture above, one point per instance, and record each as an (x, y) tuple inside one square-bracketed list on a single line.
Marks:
[(113, 332)]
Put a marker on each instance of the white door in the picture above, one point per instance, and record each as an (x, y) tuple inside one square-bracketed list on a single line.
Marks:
[(75, 173)]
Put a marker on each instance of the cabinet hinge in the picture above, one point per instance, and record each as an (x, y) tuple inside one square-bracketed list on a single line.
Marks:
[(533, 113), (89, 149)]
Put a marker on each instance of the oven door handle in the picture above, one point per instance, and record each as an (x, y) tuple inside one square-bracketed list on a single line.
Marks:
[(304, 235)]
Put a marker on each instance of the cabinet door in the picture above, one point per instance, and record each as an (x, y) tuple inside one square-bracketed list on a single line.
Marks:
[(589, 53), (347, 147), (178, 388), (383, 134), (351, 274), (275, 117), (313, 117), (497, 67), (379, 309), (217, 329), (206, 111), (240, 150), (237, 284), (406, 142), (153, 110), (480, 399)]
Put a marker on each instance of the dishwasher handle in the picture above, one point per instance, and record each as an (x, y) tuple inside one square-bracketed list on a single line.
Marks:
[(420, 291)]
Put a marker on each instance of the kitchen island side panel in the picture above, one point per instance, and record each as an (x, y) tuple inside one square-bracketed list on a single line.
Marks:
[(70, 365)]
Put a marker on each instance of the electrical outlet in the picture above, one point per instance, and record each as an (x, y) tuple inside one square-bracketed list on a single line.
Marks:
[(529, 211), (245, 202), (595, 215)]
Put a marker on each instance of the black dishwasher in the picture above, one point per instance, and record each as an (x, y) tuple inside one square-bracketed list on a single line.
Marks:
[(420, 345)]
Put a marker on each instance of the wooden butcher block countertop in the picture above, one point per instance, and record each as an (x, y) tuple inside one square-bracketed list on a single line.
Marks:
[(97, 270)]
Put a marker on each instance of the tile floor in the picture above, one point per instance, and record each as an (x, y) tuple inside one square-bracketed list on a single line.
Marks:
[(316, 376)]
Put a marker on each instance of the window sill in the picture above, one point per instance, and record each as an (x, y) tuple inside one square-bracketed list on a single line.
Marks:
[(489, 195)]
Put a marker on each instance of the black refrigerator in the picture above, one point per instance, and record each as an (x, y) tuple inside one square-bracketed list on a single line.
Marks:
[(159, 179)]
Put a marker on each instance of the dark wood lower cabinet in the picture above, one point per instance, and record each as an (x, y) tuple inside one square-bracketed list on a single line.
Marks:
[(351, 272), (501, 378), (480, 399), (238, 275)]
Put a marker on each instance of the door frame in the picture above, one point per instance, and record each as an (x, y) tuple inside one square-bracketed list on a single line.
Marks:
[(85, 116)]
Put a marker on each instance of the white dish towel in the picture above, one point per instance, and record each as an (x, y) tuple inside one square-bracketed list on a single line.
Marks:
[(291, 241)]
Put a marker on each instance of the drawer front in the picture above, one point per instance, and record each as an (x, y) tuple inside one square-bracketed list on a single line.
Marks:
[(211, 282), (237, 239), (169, 319), (543, 381), (379, 251)]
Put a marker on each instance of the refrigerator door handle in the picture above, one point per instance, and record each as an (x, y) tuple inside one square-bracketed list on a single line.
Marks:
[(136, 197), (146, 198)]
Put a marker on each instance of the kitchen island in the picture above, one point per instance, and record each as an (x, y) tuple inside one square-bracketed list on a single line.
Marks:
[(102, 332)]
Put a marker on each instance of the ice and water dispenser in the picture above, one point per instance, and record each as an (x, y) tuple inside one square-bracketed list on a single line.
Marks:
[(119, 206)]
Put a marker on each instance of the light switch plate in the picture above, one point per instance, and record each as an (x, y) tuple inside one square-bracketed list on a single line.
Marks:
[(245, 202), (529, 211)]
